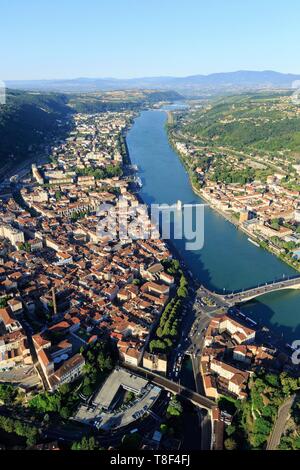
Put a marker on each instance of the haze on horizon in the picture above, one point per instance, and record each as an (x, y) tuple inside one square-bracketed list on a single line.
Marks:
[(130, 38)]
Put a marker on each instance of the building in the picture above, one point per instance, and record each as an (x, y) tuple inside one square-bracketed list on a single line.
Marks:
[(234, 380), (244, 216), (239, 332), (36, 174), (68, 372), (14, 235), (14, 349), (119, 378), (155, 362), (218, 428)]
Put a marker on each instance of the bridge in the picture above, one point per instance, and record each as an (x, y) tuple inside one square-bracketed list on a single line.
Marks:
[(245, 295), (170, 386)]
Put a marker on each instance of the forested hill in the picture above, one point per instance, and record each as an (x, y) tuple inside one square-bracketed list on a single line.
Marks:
[(266, 122), (29, 121)]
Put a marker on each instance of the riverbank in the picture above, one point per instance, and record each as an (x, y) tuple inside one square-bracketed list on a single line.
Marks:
[(242, 228), (175, 253)]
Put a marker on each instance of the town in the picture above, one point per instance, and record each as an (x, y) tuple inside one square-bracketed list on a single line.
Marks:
[(257, 189), (102, 324)]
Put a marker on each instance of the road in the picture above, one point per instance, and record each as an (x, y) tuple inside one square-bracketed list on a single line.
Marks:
[(171, 386), (293, 283), (280, 423)]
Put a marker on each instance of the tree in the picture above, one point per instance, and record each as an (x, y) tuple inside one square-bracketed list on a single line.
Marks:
[(58, 195), (101, 361), (64, 389), (32, 434), (8, 393), (174, 407), (182, 292), (64, 412), (3, 302), (45, 402), (129, 397), (108, 363), (87, 390), (289, 384), (230, 430), (85, 444), (131, 441), (163, 428), (230, 444)]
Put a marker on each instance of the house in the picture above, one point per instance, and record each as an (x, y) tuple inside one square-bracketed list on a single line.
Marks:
[(68, 372)]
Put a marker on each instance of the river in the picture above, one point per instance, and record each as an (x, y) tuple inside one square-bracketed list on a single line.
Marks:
[(227, 262)]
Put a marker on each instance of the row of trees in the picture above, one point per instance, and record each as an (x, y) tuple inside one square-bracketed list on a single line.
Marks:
[(100, 173), (168, 329), (85, 444), (16, 426), (8, 393)]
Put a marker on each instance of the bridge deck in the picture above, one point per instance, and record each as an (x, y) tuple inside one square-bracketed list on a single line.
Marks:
[(171, 386), (267, 288)]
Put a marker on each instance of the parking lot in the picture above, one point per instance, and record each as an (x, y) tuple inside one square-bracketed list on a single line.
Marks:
[(106, 412)]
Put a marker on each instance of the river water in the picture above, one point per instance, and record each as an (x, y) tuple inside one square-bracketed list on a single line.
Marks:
[(228, 261)]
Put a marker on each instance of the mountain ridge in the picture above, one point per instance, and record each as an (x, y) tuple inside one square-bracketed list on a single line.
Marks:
[(237, 80)]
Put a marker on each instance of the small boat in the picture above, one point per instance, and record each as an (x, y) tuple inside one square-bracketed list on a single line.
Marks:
[(253, 242)]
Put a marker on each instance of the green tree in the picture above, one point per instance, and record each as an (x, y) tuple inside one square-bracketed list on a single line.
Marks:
[(174, 408), (230, 444)]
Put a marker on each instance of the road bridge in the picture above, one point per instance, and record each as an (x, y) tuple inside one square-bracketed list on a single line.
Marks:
[(269, 287)]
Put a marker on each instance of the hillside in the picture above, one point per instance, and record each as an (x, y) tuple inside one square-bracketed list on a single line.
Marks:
[(262, 122), (29, 122), (32, 121)]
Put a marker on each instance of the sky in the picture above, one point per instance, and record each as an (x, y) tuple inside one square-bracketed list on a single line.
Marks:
[(48, 39)]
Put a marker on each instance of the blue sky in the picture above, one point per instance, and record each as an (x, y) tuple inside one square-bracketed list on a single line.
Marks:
[(133, 38)]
